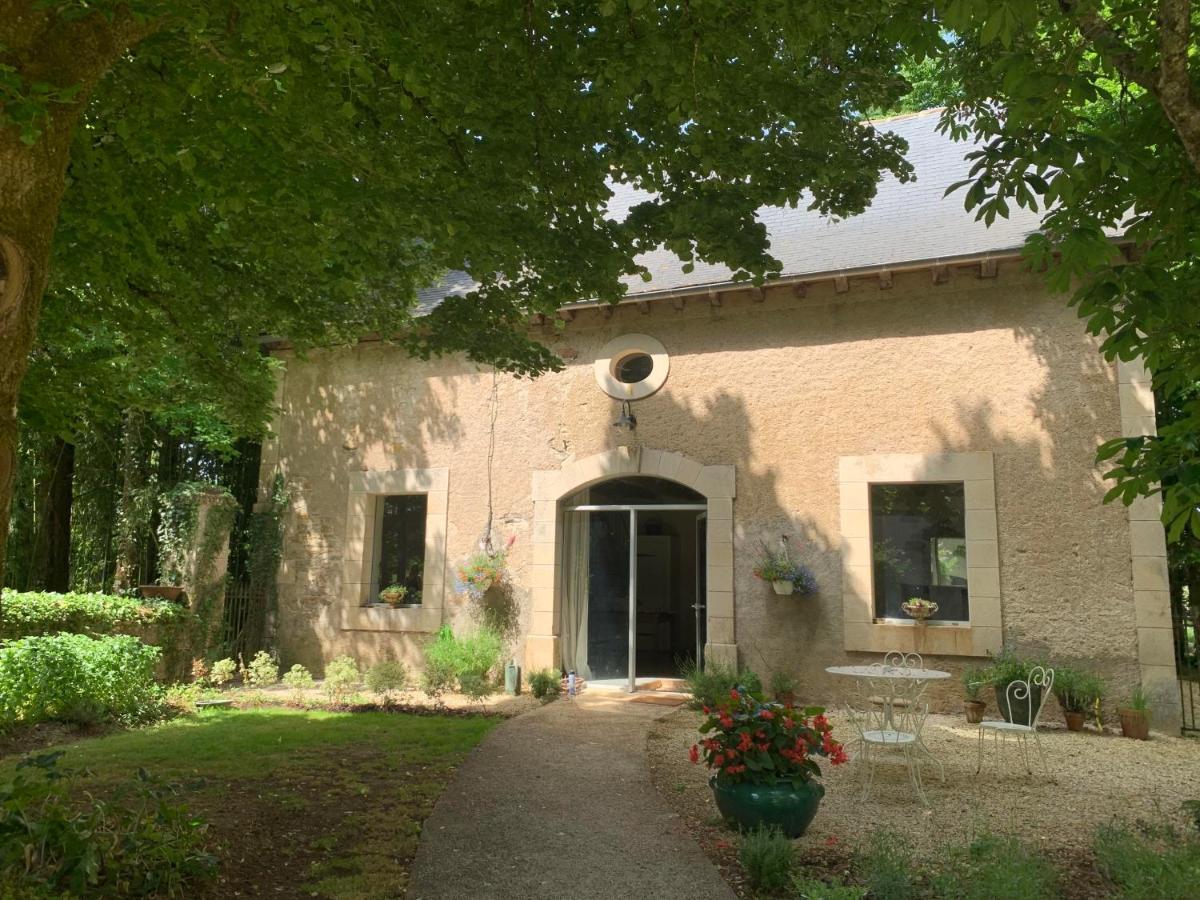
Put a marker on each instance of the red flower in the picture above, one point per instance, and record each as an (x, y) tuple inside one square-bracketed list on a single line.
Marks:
[(694, 754), (838, 756), (744, 742), (726, 721), (734, 695), (766, 714), (821, 723)]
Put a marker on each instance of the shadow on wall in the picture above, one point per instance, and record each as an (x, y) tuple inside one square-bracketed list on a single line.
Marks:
[(338, 407), (1065, 580)]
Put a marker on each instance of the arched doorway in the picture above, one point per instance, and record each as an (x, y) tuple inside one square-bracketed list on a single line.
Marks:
[(633, 561)]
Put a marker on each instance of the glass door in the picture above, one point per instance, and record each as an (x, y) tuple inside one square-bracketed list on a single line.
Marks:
[(608, 620), (701, 604)]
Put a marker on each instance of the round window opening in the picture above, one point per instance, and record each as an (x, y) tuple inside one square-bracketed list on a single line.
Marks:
[(634, 368)]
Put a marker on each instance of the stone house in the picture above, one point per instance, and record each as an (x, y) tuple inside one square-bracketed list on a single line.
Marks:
[(906, 404)]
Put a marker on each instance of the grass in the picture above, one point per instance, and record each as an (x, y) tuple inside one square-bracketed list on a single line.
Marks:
[(330, 802)]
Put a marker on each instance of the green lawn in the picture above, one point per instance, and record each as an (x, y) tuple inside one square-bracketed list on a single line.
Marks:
[(300, 804)]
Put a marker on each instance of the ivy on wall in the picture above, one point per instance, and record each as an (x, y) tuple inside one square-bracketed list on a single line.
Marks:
[(264, 542), (190, 543)]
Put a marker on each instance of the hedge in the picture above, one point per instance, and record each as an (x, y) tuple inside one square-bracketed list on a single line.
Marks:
[(35, 612), (76, 678)]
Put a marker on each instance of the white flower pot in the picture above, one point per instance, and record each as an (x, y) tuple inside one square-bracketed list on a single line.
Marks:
[(783, 588)]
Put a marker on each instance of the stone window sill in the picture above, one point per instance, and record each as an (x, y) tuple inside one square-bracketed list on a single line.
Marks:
[(420, 619)]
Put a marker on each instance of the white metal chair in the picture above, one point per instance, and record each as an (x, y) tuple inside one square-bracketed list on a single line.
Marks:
[(892, 728), (1028, 696)]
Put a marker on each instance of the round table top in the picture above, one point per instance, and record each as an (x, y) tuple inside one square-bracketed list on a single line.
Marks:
[(878, 671)]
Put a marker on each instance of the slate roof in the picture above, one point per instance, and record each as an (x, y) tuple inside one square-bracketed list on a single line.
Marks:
[(905, 224)]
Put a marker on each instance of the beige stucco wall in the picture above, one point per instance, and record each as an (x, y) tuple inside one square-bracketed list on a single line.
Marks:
[(780, 389)]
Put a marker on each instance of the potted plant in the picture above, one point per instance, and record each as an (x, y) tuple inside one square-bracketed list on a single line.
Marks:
[(783, 687), (919, 608), (484, 570), (974, 705), (1005, 669), (1135, 718), (786, 577), (763, 760), (1077, 692), (393, 595)]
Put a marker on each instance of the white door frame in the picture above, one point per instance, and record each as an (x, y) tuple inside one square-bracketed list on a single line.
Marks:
[(715, 483), (633, 509)]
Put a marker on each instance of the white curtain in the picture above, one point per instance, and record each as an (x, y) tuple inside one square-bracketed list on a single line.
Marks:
[(573, 571)]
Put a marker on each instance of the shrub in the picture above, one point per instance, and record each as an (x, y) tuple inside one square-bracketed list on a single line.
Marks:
[(471, 660), (137, 844), (767, 855), (713, 684), (886, 866), (76, 678), (1077, 692), (28, 613), (299, 679), (806, 888), (262, 671), (341, 675), (1150, 864), (385, 677), (783, 684), (222, 672), (545, 684), (436, 678), (995, 868)]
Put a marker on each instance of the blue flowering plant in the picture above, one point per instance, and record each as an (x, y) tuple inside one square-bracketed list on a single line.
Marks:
[(777, 566)]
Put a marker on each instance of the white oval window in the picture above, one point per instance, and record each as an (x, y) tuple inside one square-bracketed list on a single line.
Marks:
[(632, 366)]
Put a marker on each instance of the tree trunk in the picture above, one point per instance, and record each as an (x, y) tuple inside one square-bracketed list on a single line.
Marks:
[(41, 45), (56, 573), (129, 520)]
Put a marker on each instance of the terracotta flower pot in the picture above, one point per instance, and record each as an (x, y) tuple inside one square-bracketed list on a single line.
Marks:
[(787, 698), (171, 592), (974, 710), (1074, 721), (1135, 723)]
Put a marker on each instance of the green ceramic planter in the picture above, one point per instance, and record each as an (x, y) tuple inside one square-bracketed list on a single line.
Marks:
[(751, 805)]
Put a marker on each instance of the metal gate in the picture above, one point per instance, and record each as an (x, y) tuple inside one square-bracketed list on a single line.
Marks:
[(1185, 621), (245, 618)]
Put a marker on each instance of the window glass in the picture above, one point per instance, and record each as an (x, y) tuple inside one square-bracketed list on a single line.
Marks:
[(401, 542), (634, 368), (919, 548)]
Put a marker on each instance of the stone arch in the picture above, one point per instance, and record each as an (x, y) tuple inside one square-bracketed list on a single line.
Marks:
[(717, 484)]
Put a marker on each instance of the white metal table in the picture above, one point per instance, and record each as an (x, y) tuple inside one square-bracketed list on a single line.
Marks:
[(887, 684), (886, 679)]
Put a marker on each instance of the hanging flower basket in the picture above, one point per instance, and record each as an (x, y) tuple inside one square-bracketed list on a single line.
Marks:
[(919, 608), (483, 571), (786, 577)]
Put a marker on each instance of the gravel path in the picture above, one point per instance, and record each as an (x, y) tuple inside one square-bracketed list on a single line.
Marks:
[(559, 803), (1094, 779)]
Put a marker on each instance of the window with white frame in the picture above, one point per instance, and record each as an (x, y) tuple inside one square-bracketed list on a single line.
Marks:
[(919, 548), (399, 556)]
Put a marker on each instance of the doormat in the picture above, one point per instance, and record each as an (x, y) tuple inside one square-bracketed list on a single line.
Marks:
[(661, 701)]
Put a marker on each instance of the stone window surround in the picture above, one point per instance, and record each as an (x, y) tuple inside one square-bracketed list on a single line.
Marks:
[(358, 557), (861, 630), (605, 366), (1148, 551), (715, 483)]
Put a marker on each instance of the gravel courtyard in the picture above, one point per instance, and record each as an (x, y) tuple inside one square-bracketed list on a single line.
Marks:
[(1094, 779)]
